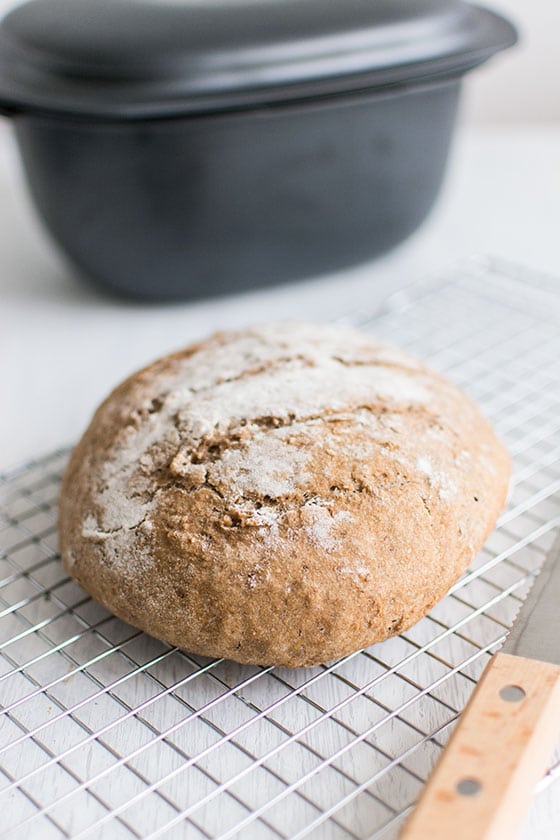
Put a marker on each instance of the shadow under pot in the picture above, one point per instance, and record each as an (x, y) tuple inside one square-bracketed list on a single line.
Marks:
[(177, 150)]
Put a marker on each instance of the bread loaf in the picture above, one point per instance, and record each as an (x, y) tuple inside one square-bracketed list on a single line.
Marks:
[(281, 495)]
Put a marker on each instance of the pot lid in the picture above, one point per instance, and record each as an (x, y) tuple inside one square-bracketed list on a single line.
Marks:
[(149, 58)]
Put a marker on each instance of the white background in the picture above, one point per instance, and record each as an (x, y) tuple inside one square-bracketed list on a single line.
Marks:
[(524, 86)]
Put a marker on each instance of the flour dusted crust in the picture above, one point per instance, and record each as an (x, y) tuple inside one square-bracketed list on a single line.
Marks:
[(282, 495)]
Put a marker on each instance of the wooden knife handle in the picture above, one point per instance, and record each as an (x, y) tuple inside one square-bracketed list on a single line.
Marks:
[(482, 787)]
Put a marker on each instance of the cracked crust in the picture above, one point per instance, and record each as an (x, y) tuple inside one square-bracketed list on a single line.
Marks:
[(283, 495)]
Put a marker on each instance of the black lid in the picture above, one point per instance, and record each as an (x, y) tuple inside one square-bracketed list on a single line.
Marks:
[(148, 58)]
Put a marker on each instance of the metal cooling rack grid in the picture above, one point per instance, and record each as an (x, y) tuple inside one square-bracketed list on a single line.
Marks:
[(107, 733)]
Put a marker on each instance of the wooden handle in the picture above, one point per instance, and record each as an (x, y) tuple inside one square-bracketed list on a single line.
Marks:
[(482, 787)]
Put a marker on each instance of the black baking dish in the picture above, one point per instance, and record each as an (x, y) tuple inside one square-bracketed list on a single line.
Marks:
[(176, 149)]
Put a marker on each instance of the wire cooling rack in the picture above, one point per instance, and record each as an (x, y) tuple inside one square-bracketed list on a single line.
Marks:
[(107, 733)]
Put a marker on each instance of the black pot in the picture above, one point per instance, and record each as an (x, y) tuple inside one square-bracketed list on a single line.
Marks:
[(179, 149)]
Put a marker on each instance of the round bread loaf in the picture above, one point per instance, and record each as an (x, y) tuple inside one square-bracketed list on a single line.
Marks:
[(282, 495)]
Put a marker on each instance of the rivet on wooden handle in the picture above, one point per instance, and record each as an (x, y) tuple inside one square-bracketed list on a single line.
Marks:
[(482, 787)]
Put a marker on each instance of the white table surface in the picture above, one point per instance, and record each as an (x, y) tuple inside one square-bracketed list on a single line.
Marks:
[(63, 345)]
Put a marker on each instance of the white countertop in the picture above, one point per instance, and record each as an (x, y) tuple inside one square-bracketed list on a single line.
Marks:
[(63, 345)]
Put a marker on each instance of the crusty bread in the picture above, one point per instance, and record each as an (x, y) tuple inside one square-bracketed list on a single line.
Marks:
[(282, 495)]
